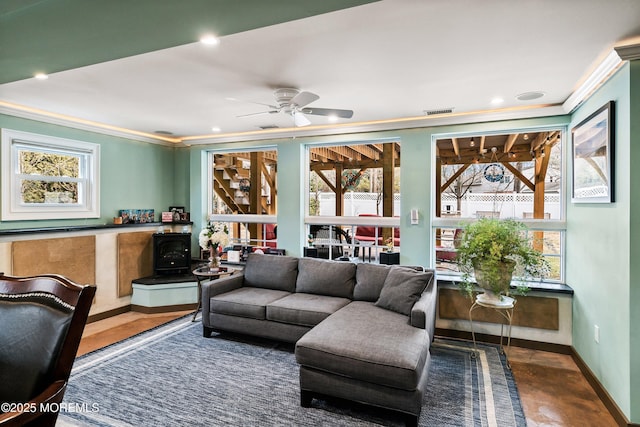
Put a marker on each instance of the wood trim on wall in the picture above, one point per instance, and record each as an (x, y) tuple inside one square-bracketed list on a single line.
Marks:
[(602, 393), (163, 309), (109, 313)]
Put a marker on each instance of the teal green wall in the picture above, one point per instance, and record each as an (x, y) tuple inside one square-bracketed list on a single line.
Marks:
[(598, 256), (133, 175), (634, 239)]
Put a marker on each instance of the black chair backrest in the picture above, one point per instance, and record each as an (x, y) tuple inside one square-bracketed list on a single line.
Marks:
[(41, 323)]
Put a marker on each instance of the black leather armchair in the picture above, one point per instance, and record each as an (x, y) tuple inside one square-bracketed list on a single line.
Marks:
[(41, 323)]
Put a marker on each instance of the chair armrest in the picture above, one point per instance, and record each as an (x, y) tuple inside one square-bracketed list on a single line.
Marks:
[(423, 313), (218, 286), (32, 409)]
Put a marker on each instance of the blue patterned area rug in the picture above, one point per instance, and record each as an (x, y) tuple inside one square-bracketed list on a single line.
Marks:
[(172, 376)]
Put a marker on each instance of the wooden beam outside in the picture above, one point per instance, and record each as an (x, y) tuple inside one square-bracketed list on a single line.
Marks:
[(326, 181), (354, 164), (388, 173), (454, 177), (510, 141), (338, 190), (519, 175), (481, 145), (218, 177), (255, 193), (456, 148)]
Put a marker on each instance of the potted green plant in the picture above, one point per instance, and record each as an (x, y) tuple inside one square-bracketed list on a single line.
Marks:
[(495, 250)]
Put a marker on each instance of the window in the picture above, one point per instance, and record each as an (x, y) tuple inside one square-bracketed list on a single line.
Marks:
[(45, 177), (354, 198), (515, 175), (243, 193)]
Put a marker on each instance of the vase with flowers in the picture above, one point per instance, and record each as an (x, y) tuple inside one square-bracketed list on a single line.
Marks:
[(212, 238)]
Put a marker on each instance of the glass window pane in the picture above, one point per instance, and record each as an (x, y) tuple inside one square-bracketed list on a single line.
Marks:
[(49, 164), (34, 191), (350, 180), (498, 175)]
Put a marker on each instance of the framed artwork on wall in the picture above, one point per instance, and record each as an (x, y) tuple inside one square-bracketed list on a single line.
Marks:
[(593, 154)]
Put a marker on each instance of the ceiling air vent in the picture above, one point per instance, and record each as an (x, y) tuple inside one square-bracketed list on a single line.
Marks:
[(438, 111), (269, 127)]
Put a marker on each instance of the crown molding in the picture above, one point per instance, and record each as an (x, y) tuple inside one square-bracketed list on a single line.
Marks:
[(606, 68), (382, 125), (629, 52), (24, 112)]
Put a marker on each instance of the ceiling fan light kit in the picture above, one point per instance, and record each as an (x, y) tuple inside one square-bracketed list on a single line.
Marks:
[(291, 101)]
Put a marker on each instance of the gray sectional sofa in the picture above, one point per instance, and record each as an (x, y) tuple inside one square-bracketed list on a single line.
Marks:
[(362, 331)]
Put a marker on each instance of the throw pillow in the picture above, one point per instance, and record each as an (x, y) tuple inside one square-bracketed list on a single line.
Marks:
[(402, 288)]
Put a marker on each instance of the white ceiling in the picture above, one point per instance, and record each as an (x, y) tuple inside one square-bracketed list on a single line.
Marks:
[(384, 60)]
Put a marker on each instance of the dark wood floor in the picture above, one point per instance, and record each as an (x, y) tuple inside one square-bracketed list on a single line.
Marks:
[(553, 390)]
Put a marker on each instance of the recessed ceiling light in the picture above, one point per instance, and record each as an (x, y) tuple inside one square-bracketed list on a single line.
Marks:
[(497, 100), (209, 40), (528, 96), (216, 129), (41, 76), (332, 118)]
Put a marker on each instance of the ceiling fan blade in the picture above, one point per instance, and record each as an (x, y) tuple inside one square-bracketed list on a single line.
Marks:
[(344, 114), (273, 107), (304, 98), (260, 113), (299, 119)]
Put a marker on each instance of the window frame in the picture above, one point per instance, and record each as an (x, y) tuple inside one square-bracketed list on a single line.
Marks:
[(13, 209), (552, 225)]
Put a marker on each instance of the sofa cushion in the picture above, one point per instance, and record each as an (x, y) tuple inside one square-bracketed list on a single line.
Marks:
[(324, 277), (245, 302), (271, 272), (367, 343), (369, 281), (304, 309), (402, 288)]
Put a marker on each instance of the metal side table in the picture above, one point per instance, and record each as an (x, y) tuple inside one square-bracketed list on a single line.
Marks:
[(503, 307)]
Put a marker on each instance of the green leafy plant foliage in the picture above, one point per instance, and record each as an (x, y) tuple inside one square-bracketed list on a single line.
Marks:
[(490, 243)]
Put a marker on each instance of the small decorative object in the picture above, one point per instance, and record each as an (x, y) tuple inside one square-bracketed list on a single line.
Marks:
[(389, 244), (167, 216), (494, 172), (351, 179), (214, 236), (117, 220), (137, 216), (310, 240), (593, 157), (245, 185), (494, 250)]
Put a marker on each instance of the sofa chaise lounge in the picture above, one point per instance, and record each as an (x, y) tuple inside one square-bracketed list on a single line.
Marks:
[(362, 331)]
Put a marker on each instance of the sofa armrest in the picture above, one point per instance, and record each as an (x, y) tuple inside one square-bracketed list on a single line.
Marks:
[(423, 313), (219, 286)]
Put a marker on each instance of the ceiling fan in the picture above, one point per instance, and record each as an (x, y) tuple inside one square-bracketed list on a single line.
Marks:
[(293, 102)]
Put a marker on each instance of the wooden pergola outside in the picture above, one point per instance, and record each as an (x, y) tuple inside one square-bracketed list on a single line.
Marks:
[(360, 158), (253, 190), (506, 150)]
